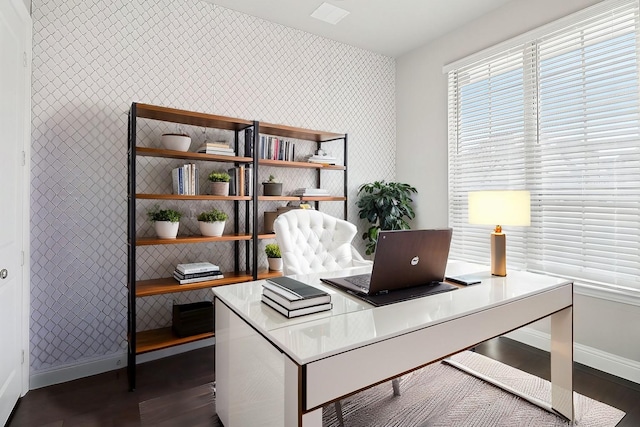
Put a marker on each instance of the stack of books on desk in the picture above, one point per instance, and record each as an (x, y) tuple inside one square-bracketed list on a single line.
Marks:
[(293, 298), (196, 272)]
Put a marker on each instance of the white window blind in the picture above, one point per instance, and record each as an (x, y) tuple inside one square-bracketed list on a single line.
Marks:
[(558, 115)]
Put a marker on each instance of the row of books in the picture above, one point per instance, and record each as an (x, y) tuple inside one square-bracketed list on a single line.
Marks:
[(317, 192), (185, 180), (219, 148), (241, 182), (274, 148), (196, 272), (293, 298)]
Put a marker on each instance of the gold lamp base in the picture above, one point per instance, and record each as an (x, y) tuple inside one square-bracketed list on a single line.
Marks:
[(498, 254)]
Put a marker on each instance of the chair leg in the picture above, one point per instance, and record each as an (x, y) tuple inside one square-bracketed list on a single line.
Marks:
[(396, 386), (338, 406)]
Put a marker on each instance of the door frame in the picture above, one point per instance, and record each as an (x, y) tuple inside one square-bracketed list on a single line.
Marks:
[(25, 187)]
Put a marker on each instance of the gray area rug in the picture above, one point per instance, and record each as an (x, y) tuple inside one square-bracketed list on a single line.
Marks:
[(441, 395), (437, 395)]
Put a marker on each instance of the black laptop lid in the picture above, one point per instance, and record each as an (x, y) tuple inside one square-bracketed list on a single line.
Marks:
[(406, 258)]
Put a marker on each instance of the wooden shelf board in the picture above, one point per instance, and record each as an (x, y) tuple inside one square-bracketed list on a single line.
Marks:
[(173, 115), (189, 155), (167, 285), (185, 197), (298, 165), (298, 133), (266, 235), (265, 274), (157, 339), (145, 241)]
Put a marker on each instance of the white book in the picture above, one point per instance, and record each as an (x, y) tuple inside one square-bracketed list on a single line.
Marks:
[(196, 267)]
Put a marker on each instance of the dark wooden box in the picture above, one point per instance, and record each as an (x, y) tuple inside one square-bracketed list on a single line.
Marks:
[(192, 319)]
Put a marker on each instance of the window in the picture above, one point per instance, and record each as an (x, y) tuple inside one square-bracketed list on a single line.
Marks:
[(556, 112)]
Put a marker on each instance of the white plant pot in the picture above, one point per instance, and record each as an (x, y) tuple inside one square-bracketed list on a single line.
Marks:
[(220, 188), (167, 229), (211, 229), (275, 264)]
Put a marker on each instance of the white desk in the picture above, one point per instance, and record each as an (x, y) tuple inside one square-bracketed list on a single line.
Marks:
[(274, 371)]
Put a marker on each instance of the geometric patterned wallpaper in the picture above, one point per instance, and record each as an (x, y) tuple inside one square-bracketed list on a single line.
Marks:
[(91, 59)]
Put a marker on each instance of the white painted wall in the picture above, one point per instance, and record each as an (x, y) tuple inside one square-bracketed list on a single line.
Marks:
[(421, 106)]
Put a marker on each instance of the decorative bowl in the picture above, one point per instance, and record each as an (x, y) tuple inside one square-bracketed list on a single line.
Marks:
[(175, 141)]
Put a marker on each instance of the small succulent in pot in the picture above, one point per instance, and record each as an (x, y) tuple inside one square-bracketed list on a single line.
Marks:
[(219, 183), (212, 216), (157, 214), (274, 256), (272, 250), (272, 187), (166, 222), (212, 222), (219, 177)]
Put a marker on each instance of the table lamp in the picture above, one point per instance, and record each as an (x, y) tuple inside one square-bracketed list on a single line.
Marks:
[(499, 207)]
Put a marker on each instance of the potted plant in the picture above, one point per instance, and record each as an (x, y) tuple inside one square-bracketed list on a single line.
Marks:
[(274, 257), (219, 183), (272, 187), (212, 222), (387, 206), (166, 222)]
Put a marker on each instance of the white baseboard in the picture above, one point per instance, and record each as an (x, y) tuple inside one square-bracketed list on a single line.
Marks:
[(589, 356), (99, 365)]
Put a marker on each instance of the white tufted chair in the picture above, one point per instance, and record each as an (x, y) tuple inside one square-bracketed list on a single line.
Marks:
[(310, 242)]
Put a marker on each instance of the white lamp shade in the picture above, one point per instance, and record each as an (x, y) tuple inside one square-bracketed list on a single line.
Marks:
[(500, 207)]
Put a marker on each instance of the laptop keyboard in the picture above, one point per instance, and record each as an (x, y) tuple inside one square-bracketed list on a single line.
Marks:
[(361, 281)]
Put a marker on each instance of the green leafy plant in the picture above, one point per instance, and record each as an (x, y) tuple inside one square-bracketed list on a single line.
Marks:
[(387, 206), (272, 180), (219, 177), (157, 214), (272, 250), (212, 216)]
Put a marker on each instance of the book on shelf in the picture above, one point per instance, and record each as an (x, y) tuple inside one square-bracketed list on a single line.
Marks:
[(248, 142), (196, 267), (323, 159), (292, 289), (273, 148), (218, 152), (182, 276), (185, 179), (237, 177), (297, 312), (206, 145), (310, 192), (294, 305), (198, 279)]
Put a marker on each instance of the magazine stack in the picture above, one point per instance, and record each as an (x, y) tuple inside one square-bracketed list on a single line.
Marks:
[(196, 272)]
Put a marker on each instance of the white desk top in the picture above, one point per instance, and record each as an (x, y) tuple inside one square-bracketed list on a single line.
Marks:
[(353, 323)]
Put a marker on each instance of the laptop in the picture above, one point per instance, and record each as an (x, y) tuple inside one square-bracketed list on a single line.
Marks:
[(407, 264)]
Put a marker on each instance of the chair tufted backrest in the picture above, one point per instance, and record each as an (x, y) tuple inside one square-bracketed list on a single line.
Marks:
[(311, 241)]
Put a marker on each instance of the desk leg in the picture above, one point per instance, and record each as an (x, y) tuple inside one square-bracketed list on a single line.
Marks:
[(293, 415), (562, 362)]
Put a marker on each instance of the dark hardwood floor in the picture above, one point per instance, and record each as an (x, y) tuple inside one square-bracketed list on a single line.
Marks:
[(178, 382)]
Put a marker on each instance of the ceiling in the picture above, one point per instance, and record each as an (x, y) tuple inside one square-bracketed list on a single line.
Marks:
[(388, 27)]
